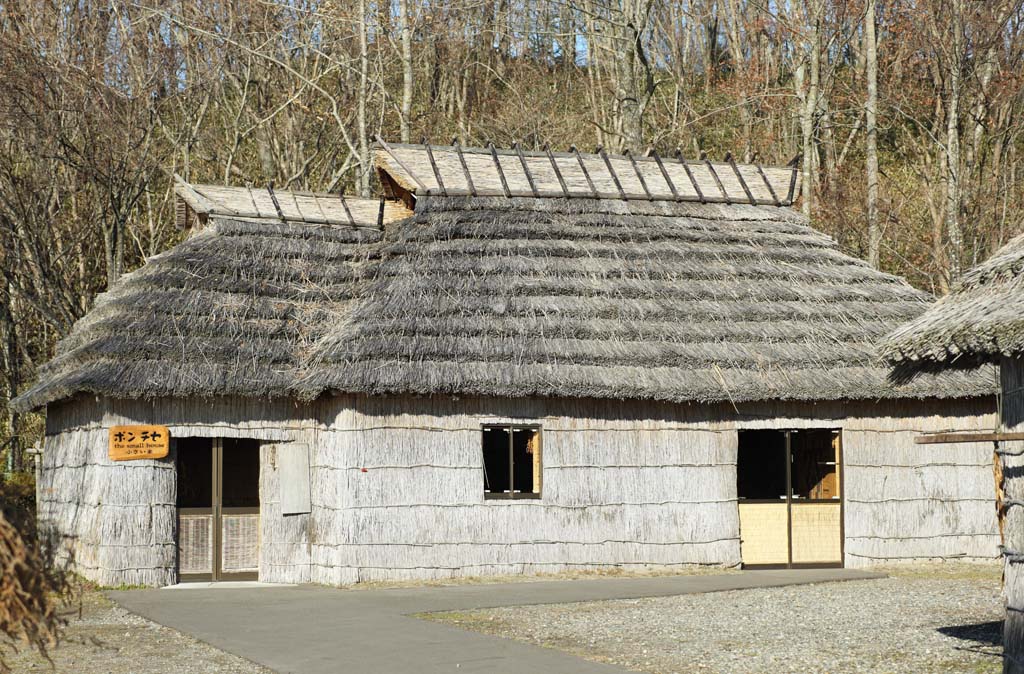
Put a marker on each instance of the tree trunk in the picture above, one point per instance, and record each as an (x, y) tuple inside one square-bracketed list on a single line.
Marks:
[(405, 23), (953, 194), (113, 249), (634, 80), (363, 94), (871, 134), (8, 329)]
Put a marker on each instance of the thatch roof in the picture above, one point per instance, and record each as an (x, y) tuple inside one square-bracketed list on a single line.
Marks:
[(982, 319), (667, 301), (232, 310), (504, 296)]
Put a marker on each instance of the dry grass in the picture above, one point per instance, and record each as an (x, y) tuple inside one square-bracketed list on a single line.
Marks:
[(35, 594), (105, 639)]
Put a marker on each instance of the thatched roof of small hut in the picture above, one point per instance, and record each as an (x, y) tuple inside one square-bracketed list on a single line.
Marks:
[(980, 320), (661, 298)]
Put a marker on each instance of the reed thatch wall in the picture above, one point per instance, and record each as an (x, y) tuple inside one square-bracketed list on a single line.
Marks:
[(397, 489), (625, 485), (620, 489), (119, 518)]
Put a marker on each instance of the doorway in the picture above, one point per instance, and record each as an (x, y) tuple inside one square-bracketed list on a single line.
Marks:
[(789, 485), (218, 505)]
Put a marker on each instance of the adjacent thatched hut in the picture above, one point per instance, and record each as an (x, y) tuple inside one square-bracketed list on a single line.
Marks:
[(982, 321), (520, 362)]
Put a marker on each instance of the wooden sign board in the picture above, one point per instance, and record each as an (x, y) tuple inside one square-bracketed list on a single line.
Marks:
[(138, 442)]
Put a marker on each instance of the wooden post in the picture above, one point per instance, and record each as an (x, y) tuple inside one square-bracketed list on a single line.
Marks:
[(1008, 469), (1012, 455)]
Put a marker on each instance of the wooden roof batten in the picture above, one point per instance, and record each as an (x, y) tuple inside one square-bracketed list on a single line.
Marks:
[(283, 206), (456, 170)]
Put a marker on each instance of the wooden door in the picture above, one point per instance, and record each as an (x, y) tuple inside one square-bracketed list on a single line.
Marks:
[(218, 508), (816, 507), (790, 500)]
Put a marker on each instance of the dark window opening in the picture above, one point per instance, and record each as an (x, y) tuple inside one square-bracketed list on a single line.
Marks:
[(241, 473), (512, 461), (195, 472), (761, 465), (815, 454)]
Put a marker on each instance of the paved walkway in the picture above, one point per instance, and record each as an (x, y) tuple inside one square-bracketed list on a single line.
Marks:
[(317, 630)]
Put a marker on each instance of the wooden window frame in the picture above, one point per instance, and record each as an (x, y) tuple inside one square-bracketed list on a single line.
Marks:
[(513, 495)]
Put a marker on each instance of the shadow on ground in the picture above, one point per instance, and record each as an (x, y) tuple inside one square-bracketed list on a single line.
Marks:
[(984, 638)]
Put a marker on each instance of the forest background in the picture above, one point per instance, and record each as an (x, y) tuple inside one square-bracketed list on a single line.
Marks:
[(906, 118)]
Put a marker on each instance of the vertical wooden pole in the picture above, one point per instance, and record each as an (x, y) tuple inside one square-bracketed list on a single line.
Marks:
[(217, 526), (511, 461), (789, 499), (1012, 472)]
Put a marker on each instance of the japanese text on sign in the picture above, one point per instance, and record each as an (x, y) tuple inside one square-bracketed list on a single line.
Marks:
[(138, 442)]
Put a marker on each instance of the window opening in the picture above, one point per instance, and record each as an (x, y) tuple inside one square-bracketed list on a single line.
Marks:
[(761, 466), (814, 465), (512, 461), (195, 472)]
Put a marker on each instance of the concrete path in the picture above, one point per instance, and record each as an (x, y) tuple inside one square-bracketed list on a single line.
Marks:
[(317, 630)]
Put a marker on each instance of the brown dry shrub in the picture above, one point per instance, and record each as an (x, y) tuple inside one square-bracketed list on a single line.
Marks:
[(36, 587)]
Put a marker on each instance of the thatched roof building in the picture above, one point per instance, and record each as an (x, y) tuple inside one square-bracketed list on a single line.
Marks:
[(982, 319), (676, 306), (979, 324)]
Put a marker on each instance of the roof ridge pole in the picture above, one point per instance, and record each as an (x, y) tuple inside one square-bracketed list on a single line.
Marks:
[(664, 174), (718, 181), (689, 174), (643, 183), (344, 204), (558, 174), (526, 169), (586, 173), (794, 163), (501, 173), (433, 166), (465, 168), (611, 171), (391, 153), (768, 184), (277, 206), (739, 176)]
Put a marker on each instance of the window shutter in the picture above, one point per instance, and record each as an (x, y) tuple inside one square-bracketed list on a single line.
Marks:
[(293, 478)]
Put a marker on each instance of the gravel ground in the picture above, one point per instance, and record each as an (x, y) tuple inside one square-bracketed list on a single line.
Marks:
[(109, 640), (941, 618)]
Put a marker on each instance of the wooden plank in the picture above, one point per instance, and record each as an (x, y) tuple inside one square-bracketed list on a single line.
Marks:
[(293, 463), (128, 443), (939, 438), (196, 201)]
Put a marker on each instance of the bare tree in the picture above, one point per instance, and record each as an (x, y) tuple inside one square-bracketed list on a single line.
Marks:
[(871, 133)]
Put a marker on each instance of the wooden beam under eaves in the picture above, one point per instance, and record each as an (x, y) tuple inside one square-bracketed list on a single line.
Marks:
[(942, 438)]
